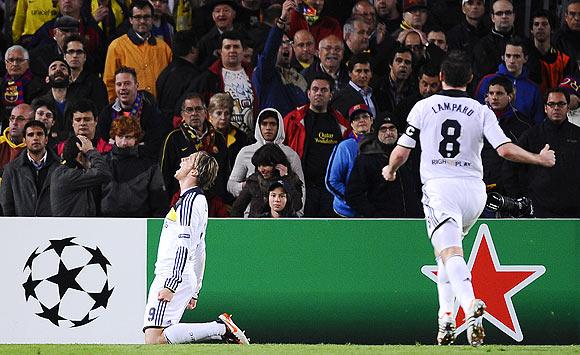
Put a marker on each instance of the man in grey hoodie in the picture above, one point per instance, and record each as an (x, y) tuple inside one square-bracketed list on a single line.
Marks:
[(269, 129)]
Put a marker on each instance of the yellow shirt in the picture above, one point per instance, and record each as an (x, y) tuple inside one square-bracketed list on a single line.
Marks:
[(148, 59), (30, 16)]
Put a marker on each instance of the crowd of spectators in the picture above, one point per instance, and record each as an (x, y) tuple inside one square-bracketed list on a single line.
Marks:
[(300, 102)]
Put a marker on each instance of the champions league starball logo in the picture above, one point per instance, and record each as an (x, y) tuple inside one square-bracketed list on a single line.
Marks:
[(67, 283)]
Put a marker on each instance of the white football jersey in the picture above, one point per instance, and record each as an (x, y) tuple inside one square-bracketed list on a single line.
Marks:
[(182, 242), (451, 127)]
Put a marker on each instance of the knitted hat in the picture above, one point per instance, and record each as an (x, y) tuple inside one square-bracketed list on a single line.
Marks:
[(571, 85)]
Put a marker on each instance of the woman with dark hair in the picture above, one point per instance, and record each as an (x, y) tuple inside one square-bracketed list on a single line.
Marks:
[(271, 166)]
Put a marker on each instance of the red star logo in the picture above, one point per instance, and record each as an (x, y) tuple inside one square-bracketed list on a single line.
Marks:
[(494, 283)]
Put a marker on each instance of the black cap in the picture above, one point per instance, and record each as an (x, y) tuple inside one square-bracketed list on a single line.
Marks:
[(66, 23), (230, 3), (381, 120)]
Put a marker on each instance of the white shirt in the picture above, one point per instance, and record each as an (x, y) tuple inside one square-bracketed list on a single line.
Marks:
[(451, 127), (181, 249), (239, 86)]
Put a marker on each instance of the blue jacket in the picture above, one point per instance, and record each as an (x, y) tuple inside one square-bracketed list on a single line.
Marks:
[(528, 96), (268, 82), (338, 171)]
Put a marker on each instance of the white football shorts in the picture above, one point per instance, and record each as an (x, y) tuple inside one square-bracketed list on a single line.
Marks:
[(159, 314), (461, 199)]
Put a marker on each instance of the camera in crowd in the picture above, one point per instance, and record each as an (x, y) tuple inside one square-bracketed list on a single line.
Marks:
[(509, 207)]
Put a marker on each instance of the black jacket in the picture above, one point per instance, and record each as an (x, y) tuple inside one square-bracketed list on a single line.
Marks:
[(555, 191), (347, 98), (20, 194), (464, 36), (151, 122), (568, 41), (89, 86), (370, 195), (172, 83), (487, 54), (136, 188)]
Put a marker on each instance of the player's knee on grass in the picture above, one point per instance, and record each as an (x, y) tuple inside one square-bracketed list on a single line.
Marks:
[(446, 240), (154, 336)]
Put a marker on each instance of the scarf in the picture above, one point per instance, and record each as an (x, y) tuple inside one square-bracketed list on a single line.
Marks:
[(14, 92), (291, 76), (135, 111)]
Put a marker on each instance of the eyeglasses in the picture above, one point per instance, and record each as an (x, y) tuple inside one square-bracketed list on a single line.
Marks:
[(75, 51), (560, 104), (386, 129), (142, 17), (503, 13), (287, 42), (573, 14), (196, 109), (15, 60), (46, 114)]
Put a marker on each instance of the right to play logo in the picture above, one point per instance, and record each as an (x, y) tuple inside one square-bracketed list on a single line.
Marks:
[(494, 283)]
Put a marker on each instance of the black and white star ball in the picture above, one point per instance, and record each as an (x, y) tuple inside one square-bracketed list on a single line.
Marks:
[(67, 283)]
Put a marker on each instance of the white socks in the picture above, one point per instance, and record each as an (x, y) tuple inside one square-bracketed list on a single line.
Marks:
[(194, 332), (444, 290), (460, 279)]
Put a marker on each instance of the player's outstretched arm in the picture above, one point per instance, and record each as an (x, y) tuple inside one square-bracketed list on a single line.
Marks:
[(512, 152), (398, 157)]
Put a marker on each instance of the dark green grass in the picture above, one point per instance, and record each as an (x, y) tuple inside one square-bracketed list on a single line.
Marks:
[(78, 349)]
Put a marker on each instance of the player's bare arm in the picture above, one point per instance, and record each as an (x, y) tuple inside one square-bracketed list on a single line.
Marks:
[(512, 152), (398, 157)]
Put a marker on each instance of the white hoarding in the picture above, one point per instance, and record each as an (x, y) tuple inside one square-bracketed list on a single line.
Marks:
[(72, 280)]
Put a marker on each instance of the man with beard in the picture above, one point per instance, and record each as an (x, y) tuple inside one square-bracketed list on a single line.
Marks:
[(25, 188), (11, 140), (196, 133), (130, 101), (367, 193), (137, 49), (58, 79), (276, 82), (19, 84)]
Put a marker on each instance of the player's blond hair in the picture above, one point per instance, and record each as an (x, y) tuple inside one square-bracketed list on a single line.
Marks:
[(207, 169)]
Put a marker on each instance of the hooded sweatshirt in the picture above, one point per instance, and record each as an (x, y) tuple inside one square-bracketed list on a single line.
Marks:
[(243, 166)]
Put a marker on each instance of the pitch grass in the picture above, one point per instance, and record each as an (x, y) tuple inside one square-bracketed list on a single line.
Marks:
[(78, 349)]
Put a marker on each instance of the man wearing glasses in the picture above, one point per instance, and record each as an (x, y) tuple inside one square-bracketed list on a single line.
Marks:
[(567, 39), (488, 51), (554, 193), (11, 143), (137, 49), (19, 85), (194, 134), (83, 83)]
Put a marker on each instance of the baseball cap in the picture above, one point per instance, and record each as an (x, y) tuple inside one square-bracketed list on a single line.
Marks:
[(66, 23), (356, 109), (409, 5)]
